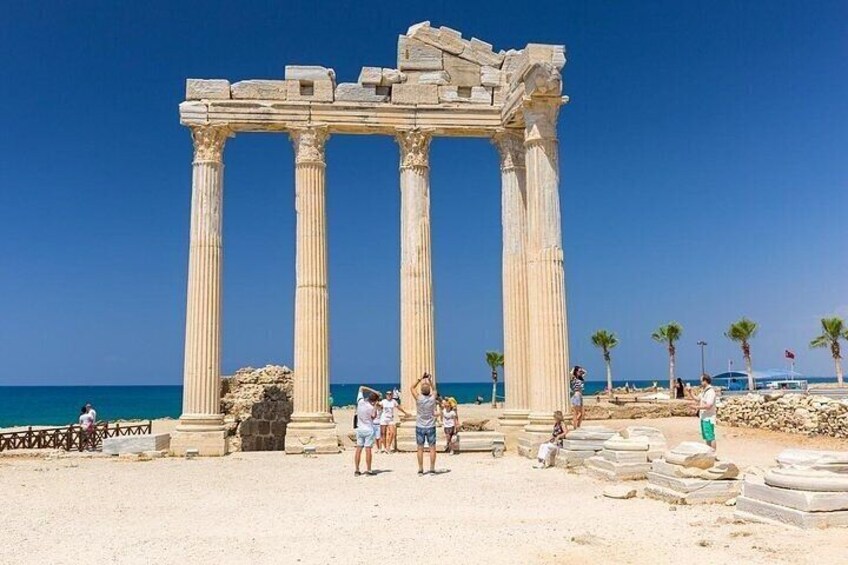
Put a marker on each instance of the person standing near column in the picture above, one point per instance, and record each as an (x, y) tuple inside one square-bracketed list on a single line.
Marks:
[(366, 411), (425, 421)]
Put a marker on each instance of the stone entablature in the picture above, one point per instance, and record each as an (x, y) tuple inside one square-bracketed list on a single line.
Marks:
[(443, 82)]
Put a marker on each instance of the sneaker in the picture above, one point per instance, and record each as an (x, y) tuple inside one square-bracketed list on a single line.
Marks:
[(370, 473), (420, 473), (357, 474)]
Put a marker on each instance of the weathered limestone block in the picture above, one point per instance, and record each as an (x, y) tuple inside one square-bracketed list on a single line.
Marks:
[(807, 479), (512, 60), (761, 511), (601, 433), (656, 440), (392, 76), (465, 95), (541, 53), (355, 92), (440, 78), (620, 443), (583, 445), (707, 492), (415, 55), (806, 501), (490, 76), (370, 76), (662, 467), (568, 458), (415, 94), (257, 407), (833, 461), (478, 441), (610, 470), (207, 89), (312, 73), (625, 456), (259, 90), (444, 38), (482, 53), (462, 72), (136, 444), (691, 454), (310, 91)]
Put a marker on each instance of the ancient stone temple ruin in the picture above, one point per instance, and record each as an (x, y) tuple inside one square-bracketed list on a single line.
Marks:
[(443, 85)]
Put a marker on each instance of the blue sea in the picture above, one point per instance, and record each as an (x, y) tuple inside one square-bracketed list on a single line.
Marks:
[(60, 405)]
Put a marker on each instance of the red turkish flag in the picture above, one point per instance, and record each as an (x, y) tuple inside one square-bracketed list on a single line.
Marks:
[(789, 354)]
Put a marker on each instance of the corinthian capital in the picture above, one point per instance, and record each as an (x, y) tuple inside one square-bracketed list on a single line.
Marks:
[(209, 142), (510, 145), (309, 144), (540, 118), (414, 148)]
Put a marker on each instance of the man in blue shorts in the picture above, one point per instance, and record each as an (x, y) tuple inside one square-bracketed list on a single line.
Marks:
[(425, 421), (366, 411)]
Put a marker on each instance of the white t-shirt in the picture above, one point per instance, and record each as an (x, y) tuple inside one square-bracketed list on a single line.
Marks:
[(86, 421), (93, 414), (364, 415), (388, 410), (449, 418), (707, 396)]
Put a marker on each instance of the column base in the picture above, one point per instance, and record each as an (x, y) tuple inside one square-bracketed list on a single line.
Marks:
[(537, 432), (406, 437), (207, 443), (514, 418), (320, 434)]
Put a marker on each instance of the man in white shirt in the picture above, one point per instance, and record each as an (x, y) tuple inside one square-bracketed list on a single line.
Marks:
[(91, 411), (387, 421), (366, 411), (707, 410)]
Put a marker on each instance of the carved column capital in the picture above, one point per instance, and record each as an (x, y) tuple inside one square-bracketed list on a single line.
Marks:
[(510, 145), (414, 148), (209, 142), (540, 118), (309, 144)]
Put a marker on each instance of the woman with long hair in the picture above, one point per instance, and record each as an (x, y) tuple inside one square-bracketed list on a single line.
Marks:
[(578, 383)]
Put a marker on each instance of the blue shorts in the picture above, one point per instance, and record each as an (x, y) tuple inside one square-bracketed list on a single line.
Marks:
[(364, 438), (425, 434)]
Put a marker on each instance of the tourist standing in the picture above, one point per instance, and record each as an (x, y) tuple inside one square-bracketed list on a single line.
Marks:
[(679, 389), (90, 409), (86, 424), (707, 409), (450, 421), (388, 429), (366, 411), (578, 383), (547, 451), (425, 420)]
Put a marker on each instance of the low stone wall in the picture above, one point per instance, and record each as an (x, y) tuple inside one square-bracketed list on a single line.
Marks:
[(604, 410), (257, 407), (795, 413)]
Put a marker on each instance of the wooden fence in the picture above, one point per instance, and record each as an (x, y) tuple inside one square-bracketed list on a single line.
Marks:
[(70, 438)]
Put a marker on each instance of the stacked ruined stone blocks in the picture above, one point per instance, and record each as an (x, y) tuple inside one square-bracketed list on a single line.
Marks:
[(691, 474), (808, 489), (627, 456), (581, 444)]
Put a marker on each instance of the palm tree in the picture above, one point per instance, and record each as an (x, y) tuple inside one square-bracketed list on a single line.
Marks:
[(605, 341), (668, 334), (832, 330), (494, 359), (742, 332)]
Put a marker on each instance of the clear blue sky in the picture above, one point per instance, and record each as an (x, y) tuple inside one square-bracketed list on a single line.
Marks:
[(704, 176)]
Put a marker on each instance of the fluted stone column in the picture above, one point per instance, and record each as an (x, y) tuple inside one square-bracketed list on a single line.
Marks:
[(510, 145), (311, 423), (201, 424), (417, 344), (546, 279)]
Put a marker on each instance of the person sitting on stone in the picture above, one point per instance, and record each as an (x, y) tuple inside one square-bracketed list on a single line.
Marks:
[(547, 451)]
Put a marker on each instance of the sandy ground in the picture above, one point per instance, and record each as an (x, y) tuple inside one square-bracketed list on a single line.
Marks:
[(272, 508)]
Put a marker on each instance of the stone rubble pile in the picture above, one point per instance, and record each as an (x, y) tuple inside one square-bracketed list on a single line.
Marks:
[(621, 459), (808, 489), (257, 406), (656, 440), (434, 66), (691, 474), (797, 413), (582, 443)]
